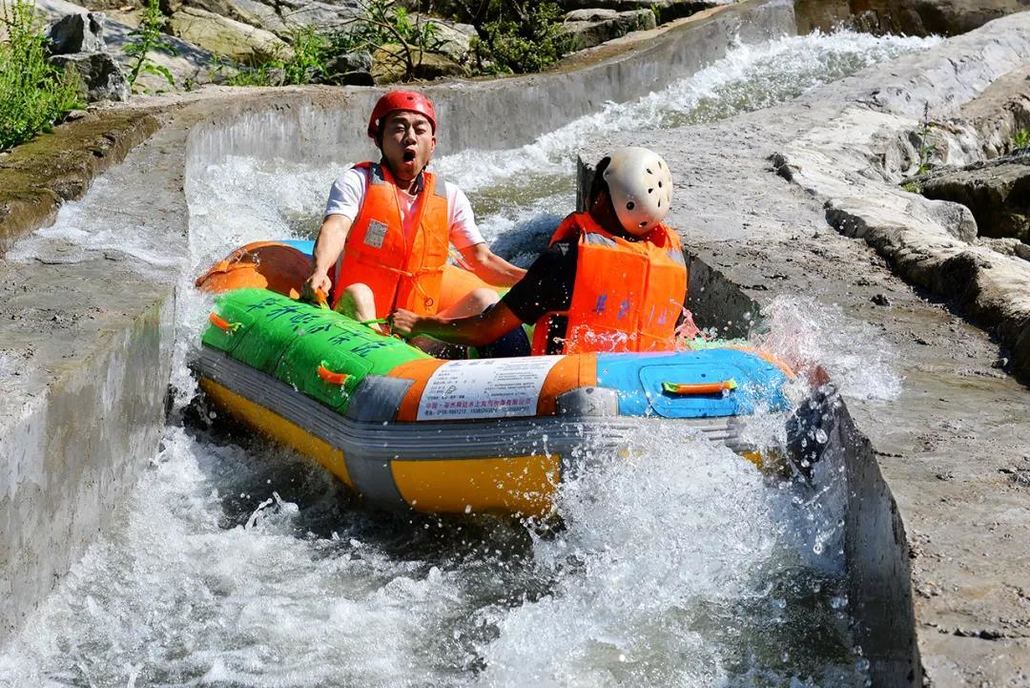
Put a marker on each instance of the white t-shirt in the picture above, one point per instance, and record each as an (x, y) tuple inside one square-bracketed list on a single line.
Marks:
[(348, 193)]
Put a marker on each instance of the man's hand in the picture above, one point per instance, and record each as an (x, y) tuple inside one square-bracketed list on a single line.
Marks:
[(316, 287), (405, 323)]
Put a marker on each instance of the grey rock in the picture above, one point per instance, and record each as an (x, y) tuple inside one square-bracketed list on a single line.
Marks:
[(77, 33), (587, 28), (455, 39), (389, 65), (251, 12), (351, 62), (666, 10), (911, 17), (100, 75), (1007, 247), (323, 15), (224, 36), (997, 192), (355, 78)]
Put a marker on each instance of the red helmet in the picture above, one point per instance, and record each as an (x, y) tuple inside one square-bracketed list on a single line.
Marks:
[(411, 101)]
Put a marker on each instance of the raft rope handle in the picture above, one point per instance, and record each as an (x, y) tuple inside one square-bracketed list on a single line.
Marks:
[(223, 324), (685, 389), (330, 377)]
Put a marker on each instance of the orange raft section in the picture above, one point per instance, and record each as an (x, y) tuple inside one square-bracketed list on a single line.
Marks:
[(282, 268)]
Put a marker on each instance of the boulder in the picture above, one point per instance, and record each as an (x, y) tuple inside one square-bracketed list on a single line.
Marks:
[(996, 191), (1007, 247), (224, 36), (350, 62), (317, 14), (821, 15), (107, 5), (99, 75), (77, 33), (250, 12), (355, 78), (352, 69), (389, 65), (664, 10), (587, 28), (910, 17), (454, 40)]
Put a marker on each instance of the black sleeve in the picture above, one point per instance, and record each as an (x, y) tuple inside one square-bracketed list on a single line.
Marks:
[(547, 285)]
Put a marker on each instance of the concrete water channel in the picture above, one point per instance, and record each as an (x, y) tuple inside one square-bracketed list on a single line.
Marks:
[(922, 498)]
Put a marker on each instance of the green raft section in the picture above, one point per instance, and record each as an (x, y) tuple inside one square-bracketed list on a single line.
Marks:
[(295, 339)]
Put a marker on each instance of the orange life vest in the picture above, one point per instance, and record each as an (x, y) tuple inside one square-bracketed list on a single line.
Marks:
[(376, 252), (627, 295)]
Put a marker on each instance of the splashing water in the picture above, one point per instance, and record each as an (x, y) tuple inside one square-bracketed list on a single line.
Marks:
[(806, 334), (236, 564)]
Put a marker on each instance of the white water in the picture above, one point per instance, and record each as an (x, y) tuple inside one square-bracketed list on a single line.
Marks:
[(236, 564)]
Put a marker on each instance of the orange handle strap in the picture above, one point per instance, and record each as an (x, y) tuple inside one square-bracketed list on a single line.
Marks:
[(222, 324), (319, 298), (331, 377), (683, 389)]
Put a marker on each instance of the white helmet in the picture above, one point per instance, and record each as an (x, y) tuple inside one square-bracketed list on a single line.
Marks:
[(640, 185)]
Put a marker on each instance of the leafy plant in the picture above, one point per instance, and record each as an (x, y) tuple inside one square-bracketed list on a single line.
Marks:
[(926, 149), (387, 23), (33, 93), (310, 52), (526, 38), (1021, 139), (306, 64), (380, 23), (516, 35), (148, 36)]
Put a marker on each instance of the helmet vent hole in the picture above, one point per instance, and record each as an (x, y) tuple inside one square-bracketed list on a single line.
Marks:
[(659, 203), (649, 171), (651, 190), (659, 183), (631, 205)]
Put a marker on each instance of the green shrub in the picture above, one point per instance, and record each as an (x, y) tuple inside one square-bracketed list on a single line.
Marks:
[(33, 94), (149, 36), (526, 38), (927, 149), (1021, 139), (515, 35), (310, 53), (381, 22)]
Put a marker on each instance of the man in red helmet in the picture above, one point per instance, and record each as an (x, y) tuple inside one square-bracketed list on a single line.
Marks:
[(384, 241)]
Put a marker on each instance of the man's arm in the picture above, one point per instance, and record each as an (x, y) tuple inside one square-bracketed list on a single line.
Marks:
[(328, 246), (474, 330), (490, 267)]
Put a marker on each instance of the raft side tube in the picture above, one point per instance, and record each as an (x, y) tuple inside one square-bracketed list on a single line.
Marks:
[(503, 465)]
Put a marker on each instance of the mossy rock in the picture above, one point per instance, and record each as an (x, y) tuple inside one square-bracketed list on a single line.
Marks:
[(389, 65)]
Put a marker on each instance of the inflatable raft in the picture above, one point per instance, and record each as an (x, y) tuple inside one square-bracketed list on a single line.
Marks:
[(409, 431)]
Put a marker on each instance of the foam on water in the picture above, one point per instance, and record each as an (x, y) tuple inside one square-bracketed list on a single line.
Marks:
[(750, 77), (677, 565), (236, 564)]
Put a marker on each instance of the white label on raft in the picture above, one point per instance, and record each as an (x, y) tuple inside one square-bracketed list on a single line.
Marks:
[(485, 388)]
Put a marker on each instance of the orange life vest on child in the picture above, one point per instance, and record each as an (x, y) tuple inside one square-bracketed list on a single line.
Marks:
[(627, 295), (377, 254)]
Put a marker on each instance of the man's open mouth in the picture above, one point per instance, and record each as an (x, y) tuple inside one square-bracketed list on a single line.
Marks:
[(409, 156)]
